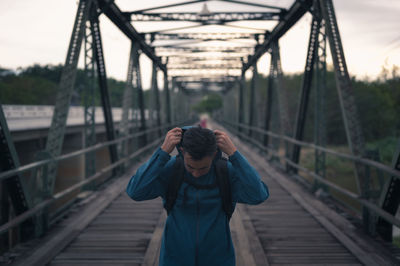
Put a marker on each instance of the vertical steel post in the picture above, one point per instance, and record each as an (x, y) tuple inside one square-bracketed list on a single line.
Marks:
[(154, 86), (102, 76), (127, 105), (268, 110), (89, 102), (390, 199), (45, 176), (167, 98), (252, 98), (348, 106), (319, 103), (140, 100), (56, 132), (241, 101), (16, 187), (305, 90)]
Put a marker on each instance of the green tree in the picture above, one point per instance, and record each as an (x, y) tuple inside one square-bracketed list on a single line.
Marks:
[(209, 103)]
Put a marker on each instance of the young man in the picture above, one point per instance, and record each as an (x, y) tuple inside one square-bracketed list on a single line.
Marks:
[(197, 229)]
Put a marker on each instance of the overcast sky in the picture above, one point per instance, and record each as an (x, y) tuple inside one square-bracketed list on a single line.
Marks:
[(39, 31)]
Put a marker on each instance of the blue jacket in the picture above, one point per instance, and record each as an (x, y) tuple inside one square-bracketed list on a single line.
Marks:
[(197, 232)]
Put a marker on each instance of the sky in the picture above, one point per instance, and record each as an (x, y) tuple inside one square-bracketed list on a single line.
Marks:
[(39, 32)]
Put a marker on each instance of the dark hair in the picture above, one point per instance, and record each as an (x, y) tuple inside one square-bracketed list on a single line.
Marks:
[(199, 142)]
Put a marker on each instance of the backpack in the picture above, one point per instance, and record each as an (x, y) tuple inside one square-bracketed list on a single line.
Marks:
[(222, 182)]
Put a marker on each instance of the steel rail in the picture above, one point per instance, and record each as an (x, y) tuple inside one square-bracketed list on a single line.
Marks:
[(373, 207)]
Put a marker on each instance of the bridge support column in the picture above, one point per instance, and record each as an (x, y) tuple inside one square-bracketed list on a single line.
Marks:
[(156, 103), (14, 189), (252, 99), (127, 105), (241, 100), (89, 103), (319, 103), (105, 98), (390, 199), (167, 99), (305, 90)]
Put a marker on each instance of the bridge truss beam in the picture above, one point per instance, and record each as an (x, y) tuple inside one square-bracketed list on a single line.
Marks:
[(205, 19)]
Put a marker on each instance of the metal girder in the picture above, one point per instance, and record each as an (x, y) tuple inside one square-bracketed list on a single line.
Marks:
[(127, 103), (89, 93), (281, 92), (241, 100), (252, 104), (15, 186), (305, 90), (345, 91), (295, 12), (271, 85), (212, 18), (111, 10), (56, 132), (201, 35), (199, 1), (204, 66), (154, 88), (205, 78), (167, 99), (199, 60), (319, 102), (204, 72), (205, 49), (139, 93), (390, 199), (102, 76)]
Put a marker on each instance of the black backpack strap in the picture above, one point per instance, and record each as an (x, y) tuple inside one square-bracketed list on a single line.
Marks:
[(174, 183), (224, 185)]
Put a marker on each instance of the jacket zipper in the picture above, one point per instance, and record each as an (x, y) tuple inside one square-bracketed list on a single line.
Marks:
[(197, 228)]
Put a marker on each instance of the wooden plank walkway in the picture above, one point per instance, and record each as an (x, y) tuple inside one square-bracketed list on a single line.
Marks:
[(118, 236), (290, 228)]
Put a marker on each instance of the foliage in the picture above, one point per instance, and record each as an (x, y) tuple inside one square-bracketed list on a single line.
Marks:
[(37, 85), (377, 102), (209, 103)]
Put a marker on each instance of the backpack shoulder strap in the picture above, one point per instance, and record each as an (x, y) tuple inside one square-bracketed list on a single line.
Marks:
[(174, 183), (224, 185)]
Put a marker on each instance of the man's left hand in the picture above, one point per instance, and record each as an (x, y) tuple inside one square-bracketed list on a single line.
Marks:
[(224, 142)]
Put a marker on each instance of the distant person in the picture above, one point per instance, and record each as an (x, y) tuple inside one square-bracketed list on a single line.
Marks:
[(203, 123), (199, 191)]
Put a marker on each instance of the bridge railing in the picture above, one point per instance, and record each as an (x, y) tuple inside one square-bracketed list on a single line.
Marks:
[(153, 140), (240, 129)]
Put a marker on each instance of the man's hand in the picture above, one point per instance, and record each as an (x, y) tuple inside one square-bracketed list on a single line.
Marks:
[(172, 138), (224, 142)]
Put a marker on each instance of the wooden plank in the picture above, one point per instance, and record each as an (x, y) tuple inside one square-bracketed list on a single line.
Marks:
[(153, 249), (255, 244), (45, 253), (299, 195), (243, 251)]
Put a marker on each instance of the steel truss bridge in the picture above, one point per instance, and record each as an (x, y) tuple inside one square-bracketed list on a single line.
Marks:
[(190, 67)]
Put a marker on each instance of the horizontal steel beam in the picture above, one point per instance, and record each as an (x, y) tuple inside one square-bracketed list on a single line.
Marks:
[(205, 79), (111, 10), (202, 36), (296, 11), (205, 66), (211, 18), (205, 49)]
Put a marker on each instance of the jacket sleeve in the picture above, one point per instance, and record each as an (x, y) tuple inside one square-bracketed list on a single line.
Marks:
[(246, 183), (148, 183)]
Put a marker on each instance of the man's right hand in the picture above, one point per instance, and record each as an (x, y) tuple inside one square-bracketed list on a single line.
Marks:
[(172, 138)]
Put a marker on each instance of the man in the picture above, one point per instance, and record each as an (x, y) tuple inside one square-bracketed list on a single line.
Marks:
[(197, 229)]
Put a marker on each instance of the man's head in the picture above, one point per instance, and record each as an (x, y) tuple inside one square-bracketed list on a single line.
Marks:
[(198, 148)]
